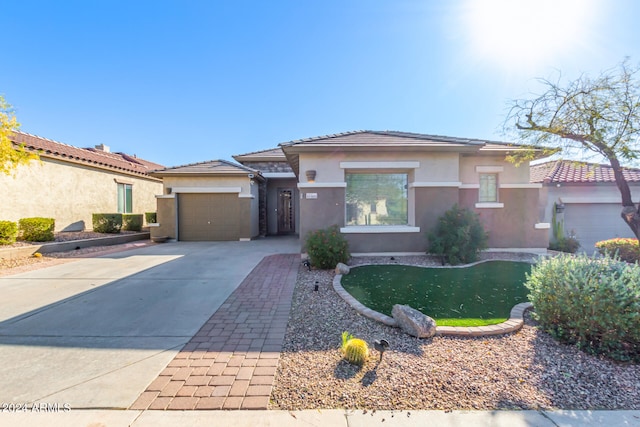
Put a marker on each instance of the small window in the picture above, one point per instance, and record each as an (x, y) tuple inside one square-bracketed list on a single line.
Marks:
[(376, 199), (125, 198), (488, 188)]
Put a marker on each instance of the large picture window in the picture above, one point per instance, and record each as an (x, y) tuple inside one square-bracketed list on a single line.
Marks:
[(376, 199), (125, 198)]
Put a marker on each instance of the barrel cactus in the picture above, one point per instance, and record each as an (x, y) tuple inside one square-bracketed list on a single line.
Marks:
[(355, 350)]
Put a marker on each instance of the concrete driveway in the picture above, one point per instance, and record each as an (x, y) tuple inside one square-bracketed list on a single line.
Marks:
[(95, 332)]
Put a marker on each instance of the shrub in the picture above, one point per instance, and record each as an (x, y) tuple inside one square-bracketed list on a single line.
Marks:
[(626, 249), (37, 229), (8, 232), (326, 248), (132, 222), (150, 217), (355, 350), (458, 237), (591, 302), (565, 244), (107, 223)]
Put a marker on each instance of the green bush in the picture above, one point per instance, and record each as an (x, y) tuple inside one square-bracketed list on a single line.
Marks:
[(150, 217), (326, 248), (458, 237), (626, 249), (132, 222), (592, 302), (107, 222), (566, 244), (8, 232), (37, 229)]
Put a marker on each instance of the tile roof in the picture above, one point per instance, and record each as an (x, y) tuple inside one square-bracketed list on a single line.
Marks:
[(371, 137), (87, 156), (568, 171), (210, 167), (272, 154)]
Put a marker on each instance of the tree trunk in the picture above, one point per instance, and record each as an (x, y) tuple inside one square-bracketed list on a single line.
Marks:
[(629, 213)]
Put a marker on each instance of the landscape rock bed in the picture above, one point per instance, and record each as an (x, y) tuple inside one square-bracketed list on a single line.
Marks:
[(18, 265), (524, 370)]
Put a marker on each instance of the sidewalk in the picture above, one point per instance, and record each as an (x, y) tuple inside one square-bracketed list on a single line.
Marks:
[(325, 418)]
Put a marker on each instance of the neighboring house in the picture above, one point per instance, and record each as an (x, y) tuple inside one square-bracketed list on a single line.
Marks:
[(70, 184), (587, 197), (385, 190)]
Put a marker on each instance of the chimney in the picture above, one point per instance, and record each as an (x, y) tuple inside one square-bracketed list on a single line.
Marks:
[(103, 147)]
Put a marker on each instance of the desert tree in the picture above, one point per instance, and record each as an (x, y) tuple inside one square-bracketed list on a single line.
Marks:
[(590, 115), (10, 155)]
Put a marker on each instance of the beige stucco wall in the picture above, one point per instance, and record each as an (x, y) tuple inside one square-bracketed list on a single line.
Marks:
[(166, 217), (511, 174), (70, 193), (211, 181), (433, 167)]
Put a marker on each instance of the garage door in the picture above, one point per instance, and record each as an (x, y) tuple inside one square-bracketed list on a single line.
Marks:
[(592, 222), (208, 217)]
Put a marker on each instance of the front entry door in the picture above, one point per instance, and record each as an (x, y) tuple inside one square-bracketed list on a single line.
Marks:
[(286, 211)]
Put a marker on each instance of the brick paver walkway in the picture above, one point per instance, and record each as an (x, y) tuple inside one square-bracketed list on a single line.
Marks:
[(231, 362)]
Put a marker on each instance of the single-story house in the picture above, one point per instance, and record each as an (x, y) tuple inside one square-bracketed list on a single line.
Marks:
[(586, 198), (385, 190), (70, 184)]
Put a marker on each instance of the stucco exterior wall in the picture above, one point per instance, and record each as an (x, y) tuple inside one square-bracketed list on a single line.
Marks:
[(326, 208), (433, 167), (512, 226), (208, 181), (510, 174), (70, 193), (165, 217), (437, 181)]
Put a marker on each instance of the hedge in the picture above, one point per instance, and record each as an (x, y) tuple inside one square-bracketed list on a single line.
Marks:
[(107, 222), (150, 217), (132, 222), (626, 249), (8, 232), (37, 229)]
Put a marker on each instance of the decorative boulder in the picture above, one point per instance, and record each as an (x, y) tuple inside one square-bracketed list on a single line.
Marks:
[(342, 269), (413, 322)]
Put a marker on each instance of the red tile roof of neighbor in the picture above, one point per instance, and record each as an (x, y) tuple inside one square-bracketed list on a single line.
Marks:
[(87, 156), (569, 171)]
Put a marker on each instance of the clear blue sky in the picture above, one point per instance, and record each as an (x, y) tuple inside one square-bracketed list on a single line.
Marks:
[(177, 82)]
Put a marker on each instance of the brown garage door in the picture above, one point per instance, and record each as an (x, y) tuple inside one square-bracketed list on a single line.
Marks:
[(208, 217)]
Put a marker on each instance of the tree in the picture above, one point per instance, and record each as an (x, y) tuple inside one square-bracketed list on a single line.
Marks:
[(10, 157), (592, 115)]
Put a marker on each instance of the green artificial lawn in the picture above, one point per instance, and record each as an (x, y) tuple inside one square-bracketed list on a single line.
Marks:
[(480, 295)]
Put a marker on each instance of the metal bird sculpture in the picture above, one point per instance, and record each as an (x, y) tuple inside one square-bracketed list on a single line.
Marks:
[(381, 345)]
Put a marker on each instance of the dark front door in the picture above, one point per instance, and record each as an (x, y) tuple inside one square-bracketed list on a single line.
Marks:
[(286, 211)]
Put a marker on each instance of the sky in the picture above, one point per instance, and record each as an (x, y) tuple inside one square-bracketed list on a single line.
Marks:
[(185, 81)]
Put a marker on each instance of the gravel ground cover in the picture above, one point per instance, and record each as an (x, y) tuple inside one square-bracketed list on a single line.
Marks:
[(523, 370), (18, 265)]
